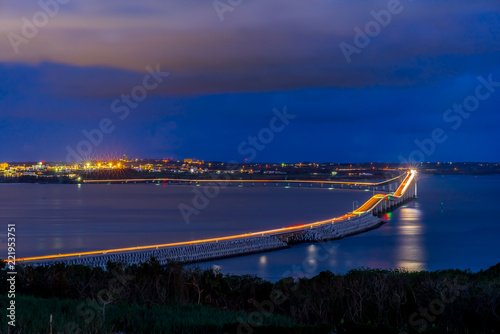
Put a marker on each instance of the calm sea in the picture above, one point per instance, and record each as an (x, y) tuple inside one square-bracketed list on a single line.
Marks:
[(452, 224)]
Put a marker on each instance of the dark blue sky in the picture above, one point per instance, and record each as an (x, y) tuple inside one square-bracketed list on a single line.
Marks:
[(226, 77)]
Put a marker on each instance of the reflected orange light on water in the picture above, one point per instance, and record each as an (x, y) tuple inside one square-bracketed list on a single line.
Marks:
[(411, 250)]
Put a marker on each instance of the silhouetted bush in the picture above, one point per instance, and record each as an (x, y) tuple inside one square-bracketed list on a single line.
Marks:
[(364, 300)]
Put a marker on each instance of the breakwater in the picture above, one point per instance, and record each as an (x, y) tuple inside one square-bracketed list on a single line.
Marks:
[(337, 230), (360, 220), (184, 254), (230, 248)]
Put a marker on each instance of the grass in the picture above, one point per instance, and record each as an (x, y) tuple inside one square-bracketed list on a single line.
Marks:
[(74, 316)]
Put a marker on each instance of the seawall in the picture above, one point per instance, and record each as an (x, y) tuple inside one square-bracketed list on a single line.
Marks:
[(360, 220), (230, 248)]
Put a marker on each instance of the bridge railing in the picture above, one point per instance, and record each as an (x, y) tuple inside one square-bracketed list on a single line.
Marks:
[(259, 181), (385, 202)]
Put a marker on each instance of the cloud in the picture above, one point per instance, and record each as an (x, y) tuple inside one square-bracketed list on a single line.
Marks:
[(262, 46), (265, 54)]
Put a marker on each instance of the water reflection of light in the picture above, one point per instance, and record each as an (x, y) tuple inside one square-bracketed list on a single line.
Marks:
[(411, 252), (311, 251), (410, 229), (57, 243), (310, 265), (263, 270), (387, 217), (410, 214)]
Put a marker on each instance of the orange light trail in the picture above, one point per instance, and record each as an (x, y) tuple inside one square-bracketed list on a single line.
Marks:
[(370, 204), (247, 181)]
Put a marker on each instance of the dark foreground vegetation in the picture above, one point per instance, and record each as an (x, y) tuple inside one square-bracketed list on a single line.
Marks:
[(150, 298)]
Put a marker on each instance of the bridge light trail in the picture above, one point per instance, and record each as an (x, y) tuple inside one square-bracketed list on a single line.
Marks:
[(369, 205), (247, 181)]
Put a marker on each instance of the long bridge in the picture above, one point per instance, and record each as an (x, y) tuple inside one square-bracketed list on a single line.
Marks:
[(364, 218), (384, 185)]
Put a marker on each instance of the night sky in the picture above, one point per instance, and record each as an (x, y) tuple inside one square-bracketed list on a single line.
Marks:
[(391, 98)]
